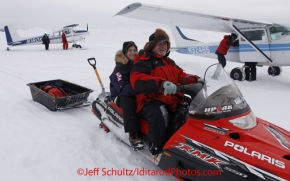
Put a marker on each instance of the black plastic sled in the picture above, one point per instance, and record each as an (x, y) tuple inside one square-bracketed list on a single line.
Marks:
[(75, 95)]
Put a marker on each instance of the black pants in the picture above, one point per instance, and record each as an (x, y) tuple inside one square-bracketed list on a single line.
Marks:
[(46, 46), (131, 119), (153, 114), (251, 70), (222, 59)]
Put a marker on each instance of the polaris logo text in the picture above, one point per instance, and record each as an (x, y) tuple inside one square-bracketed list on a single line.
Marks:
[(116, 115), (255, 154)]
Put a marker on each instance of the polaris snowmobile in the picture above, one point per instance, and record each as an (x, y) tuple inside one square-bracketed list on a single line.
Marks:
[(214, 135)]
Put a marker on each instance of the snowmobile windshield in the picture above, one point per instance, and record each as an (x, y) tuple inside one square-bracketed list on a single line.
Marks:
[(219, 98)]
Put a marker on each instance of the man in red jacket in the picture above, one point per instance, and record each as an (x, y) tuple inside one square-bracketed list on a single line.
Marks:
[(64, 41), (155, 76), (225, 44)]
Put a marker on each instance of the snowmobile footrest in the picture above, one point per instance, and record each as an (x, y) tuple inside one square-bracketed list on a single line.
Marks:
[(103, 126)]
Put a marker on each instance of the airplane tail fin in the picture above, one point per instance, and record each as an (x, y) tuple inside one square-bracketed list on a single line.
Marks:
[(180, 39), (11, 34)]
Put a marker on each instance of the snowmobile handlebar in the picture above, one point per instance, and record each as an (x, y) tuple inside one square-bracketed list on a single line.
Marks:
[(92, 62), (191, 89)]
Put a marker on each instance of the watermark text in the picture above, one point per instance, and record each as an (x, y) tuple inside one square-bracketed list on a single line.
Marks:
[(145, 172)]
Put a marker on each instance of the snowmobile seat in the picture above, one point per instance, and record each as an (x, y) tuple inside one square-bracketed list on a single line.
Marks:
[(143, 123)]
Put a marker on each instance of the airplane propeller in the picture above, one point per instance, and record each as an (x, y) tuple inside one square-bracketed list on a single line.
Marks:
[(88, 29)]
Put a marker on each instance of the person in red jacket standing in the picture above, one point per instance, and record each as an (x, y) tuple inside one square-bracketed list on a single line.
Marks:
[(224, 46), (64, 41), (155, 77)]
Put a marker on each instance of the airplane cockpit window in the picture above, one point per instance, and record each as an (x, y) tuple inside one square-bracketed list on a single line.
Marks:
[(277, 31), (254, 35), (56, 34), (67, 32)]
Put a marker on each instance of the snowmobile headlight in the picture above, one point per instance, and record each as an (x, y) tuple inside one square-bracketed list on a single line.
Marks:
[(245, 122)]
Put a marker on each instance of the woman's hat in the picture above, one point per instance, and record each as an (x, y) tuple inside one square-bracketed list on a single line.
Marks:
[(127, 45)]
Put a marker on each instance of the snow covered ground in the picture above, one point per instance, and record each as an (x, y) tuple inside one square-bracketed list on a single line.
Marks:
[(38, 144)]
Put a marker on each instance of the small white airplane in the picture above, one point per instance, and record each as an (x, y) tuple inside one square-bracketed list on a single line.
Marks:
[(72, 36), (265, 43)]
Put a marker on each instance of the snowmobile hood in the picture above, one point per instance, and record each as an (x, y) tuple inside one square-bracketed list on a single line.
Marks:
[(223, 133)]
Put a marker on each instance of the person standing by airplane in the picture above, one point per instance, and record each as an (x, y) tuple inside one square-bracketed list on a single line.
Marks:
[(251, 71), (224, 46), (155, 76), (64, 41), (123, 95), (45, 41)]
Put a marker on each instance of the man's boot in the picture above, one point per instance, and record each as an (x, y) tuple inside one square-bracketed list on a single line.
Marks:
[(136, 141)]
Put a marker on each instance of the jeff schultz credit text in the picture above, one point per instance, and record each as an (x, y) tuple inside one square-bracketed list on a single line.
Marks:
[(145, 172)]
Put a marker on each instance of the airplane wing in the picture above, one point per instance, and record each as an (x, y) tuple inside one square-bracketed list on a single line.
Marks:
[(68, 27), (186, 18), (71, 26)]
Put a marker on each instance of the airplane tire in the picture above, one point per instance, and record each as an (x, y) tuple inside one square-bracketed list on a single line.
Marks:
[(274, 71), (78, 46), (237, 74)]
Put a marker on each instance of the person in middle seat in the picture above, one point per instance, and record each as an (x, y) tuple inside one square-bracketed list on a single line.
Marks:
[(155, 76), (123, 94)]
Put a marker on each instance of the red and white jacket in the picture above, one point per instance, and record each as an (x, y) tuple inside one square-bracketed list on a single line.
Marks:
[(149, 73)]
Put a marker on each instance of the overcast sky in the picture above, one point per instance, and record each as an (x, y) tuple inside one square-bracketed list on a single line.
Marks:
[(52, 14)]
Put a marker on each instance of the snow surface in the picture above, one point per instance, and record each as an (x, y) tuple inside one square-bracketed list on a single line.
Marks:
[(38, 144)]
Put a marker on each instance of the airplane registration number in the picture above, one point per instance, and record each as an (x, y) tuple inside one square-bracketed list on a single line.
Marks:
[(198, 49), (34, 40)]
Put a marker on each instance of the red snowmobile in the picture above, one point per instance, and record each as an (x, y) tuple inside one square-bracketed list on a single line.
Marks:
[(214, 135)]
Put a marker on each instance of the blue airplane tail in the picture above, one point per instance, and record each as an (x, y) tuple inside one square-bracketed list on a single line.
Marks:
[(11, 35), (180, 39), (8, 36)]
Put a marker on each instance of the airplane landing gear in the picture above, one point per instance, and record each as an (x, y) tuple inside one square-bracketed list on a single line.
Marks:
[(237, 74), (274, 71), (7, 49), (77, 46)]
